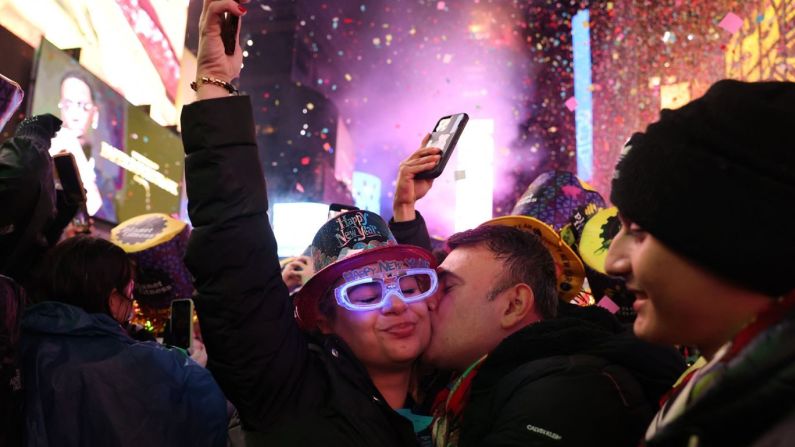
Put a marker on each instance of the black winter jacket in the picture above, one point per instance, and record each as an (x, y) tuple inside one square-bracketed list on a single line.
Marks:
[(289, 388), (578, 380), (412, 232)]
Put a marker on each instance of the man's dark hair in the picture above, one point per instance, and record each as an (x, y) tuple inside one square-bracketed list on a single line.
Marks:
[(83, 271), (525, 258)]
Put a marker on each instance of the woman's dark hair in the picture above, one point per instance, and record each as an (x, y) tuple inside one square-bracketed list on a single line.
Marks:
[(327, 304), (83, 271)]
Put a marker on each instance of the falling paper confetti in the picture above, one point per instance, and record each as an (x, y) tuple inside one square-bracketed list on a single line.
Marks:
[(607, 303), (731, 23), (571, 104)]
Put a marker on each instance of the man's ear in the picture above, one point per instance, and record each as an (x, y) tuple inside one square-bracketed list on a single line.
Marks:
[(324, 324), (519, 307)]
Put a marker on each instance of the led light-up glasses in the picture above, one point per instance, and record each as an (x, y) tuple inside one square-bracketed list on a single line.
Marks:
[(374, 292)]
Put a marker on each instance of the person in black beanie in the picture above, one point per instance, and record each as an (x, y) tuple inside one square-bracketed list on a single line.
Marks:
[(28, 196), (703, 196)]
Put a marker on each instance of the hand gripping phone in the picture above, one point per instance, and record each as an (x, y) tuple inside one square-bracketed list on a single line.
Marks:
[(445, 135), (67, 179)]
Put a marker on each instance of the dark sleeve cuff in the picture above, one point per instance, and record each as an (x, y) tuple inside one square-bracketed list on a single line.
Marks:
[(412, 232), (218, 122)]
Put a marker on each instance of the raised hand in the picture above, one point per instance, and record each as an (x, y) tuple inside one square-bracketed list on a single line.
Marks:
[(409, 189), (212, 61), (297, 272)]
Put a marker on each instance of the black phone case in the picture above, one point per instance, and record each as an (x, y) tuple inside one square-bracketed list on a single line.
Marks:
[(69, 178), (446, 151), (229, 33), (180, 323), (341, 206), (336, 209)]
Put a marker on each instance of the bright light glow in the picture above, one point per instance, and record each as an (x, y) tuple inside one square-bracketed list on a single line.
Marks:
[(140, 165), (583, 115), (109, 45), (474, 176), (367, 191), (295, 225)]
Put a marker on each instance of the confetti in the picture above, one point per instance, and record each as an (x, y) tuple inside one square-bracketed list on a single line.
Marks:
[(731, 23), (571, 104), (607, 303), (506, 61)]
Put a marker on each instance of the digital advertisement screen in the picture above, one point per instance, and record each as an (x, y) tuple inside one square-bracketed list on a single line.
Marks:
[(129, 165), (153, 163)]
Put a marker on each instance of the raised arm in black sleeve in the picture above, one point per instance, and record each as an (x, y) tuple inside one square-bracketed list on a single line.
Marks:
[(256, 351), (412, 232)]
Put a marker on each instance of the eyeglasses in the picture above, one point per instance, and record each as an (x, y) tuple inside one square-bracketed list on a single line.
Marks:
[(68, 104), (371, 293)]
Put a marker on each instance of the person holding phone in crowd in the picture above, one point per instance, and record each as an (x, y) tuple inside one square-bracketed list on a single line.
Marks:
[(335, 366), (523, 359), (87, 382), (79, 113)]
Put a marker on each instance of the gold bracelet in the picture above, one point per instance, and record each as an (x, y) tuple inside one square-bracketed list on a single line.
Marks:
[(208, 80)]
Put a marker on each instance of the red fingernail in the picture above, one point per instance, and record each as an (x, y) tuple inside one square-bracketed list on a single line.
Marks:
[(242, 8)]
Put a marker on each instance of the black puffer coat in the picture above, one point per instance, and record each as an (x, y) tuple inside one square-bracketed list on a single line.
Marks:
[(288, 388), (577, 380)]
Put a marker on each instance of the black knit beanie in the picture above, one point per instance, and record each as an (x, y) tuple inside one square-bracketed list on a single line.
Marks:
[(715, 180), (27, 192)]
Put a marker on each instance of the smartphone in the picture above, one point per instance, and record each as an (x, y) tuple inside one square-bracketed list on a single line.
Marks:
[(335, 209), (445, 135), (67, 178), (229, 32), (181, 323), (11, 96), (68, 181)]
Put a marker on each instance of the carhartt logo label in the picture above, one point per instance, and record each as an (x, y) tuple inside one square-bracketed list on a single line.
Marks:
[(546, 433)]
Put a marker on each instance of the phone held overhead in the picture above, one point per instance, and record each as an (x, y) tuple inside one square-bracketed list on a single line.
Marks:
[(445, 135)]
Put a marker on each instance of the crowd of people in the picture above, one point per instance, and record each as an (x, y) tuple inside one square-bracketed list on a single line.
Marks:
[(372, 338)]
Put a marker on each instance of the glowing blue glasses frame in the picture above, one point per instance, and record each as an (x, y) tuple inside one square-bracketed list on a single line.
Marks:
[(387, 289)]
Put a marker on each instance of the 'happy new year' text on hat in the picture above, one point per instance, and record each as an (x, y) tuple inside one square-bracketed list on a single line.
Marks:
[(349, 241)]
